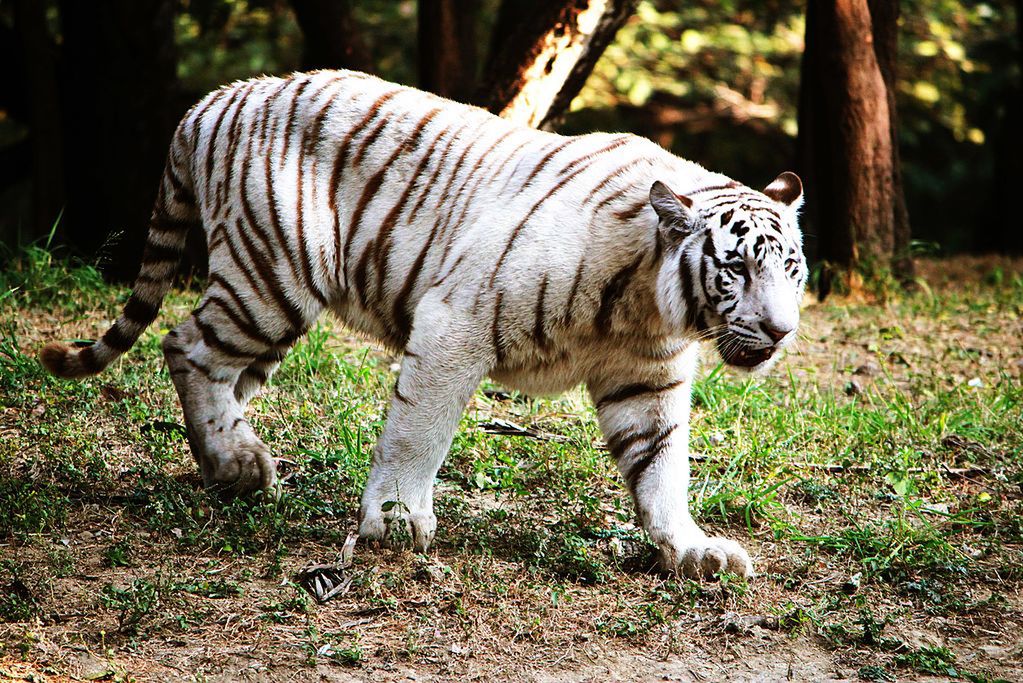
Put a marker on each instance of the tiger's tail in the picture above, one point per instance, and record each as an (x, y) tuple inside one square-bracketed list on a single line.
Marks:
[(174, 213)]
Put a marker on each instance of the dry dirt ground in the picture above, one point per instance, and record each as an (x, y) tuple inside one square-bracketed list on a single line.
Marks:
[(875, 477)]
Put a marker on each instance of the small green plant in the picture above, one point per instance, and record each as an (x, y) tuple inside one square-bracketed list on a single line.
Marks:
[(350, 655), (118, 554), (30, 507), (281, 611), (133, 603), (620, 627), (329, 646), (17, 600), (939, 661), (732, 584), (794, 618), (873, 629), (61, 562), (875, 672), (500, 471), (218, 588)]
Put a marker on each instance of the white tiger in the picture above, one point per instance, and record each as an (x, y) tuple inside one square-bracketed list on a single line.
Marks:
[(475, 247)]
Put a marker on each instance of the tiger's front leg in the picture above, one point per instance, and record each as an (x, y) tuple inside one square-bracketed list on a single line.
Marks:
[(441, 370), (646, 426)]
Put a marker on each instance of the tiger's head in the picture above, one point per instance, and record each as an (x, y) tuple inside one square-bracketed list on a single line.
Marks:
[(733, 268)]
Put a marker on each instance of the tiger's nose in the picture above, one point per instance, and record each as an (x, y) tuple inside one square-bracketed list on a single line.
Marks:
[(776, 334)]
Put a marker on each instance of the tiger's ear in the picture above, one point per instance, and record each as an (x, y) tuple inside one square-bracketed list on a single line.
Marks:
[(675, 211), (787, 189)]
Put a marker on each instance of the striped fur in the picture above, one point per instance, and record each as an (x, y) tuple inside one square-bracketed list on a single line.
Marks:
[(474, 247)]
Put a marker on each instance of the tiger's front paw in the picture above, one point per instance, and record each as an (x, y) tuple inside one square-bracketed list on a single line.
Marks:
[(702, 557), (396, 526)]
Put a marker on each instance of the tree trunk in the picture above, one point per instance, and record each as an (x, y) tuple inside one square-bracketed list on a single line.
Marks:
[(884, 16), (846, 139), (332, 39), (510, 16), (1001, 233), (547, 51), (39, 59), (447, 47), (120, 111), (809, 155)]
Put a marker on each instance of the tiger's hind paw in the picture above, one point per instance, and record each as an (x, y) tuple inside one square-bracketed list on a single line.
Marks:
[(240, 469)]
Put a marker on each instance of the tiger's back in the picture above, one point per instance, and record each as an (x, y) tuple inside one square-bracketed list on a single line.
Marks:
[(378, 193)]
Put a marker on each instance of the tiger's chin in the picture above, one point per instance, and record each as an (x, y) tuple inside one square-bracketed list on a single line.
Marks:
[(745, 357)]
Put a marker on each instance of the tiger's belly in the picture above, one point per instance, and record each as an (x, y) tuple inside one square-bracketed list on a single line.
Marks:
[(545, 377), (594, 360)]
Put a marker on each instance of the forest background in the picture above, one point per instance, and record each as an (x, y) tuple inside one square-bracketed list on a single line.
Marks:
[(93, 94)]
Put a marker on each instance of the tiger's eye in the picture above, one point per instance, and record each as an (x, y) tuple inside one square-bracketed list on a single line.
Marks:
[(737, 268)]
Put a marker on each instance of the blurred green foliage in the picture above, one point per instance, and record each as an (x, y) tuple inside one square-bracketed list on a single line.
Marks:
[(746, 54), (959, 63), (715, 82), (220, 41), (223, 40)]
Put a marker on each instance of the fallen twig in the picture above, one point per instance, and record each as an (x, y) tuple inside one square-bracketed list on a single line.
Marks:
[(944, 469), (327, 581), (506, 428)]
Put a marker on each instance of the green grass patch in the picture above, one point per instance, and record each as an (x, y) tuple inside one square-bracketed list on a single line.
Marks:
[(875, 477)]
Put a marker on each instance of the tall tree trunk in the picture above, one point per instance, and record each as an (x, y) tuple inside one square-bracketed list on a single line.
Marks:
[(810, 155), (548, 51), (120, 110), (510, 16), (332, 38), (39, 58), (846, 138), (447, 47), (884, 17), (1000, 232)]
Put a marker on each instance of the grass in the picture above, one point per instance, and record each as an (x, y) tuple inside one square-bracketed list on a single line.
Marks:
[(875, 475)]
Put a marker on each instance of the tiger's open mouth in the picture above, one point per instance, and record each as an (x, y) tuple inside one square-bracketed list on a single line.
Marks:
[(735, 353)]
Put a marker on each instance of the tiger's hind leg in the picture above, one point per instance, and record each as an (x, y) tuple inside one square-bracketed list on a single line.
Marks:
[(231, 457), (218, 359), (258, 373)]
